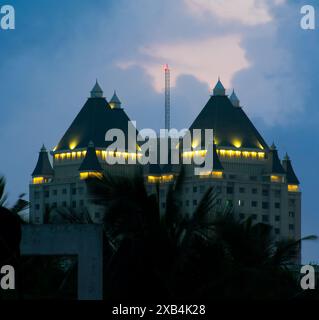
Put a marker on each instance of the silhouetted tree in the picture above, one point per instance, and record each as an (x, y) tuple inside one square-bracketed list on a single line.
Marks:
[(10, 229), (209, 254)]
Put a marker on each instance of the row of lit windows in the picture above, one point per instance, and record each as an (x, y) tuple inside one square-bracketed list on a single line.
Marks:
[(241, 154), (160, 179), (102, 154), (228, 154)]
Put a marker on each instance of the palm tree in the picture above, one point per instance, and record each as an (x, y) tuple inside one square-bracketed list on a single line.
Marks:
[(207, 255), (19, 206)]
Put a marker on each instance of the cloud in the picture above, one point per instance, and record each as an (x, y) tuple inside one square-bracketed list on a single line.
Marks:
[(204, 59), (247, 12)]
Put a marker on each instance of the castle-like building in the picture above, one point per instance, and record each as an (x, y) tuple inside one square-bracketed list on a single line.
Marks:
[(246, 172)]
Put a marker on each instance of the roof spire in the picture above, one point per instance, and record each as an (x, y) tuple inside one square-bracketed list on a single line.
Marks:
[(96, 92), (115, 102), (286, 158), (43, 167), (234, 99), (290, 173), (90, 162), (219, 89)]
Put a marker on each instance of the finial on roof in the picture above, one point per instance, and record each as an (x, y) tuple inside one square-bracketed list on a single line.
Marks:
[(43, 149), (234, 99), (273, 146), (219, 89), (96, 92), (287, 158), (115, 102), (91, 144)]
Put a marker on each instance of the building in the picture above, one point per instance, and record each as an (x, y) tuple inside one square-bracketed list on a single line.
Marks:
[(246, 173), (80, 154)]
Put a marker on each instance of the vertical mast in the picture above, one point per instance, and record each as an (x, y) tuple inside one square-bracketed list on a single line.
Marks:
[(167, 98)]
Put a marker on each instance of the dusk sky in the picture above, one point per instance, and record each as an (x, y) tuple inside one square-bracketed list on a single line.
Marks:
[(49, 64)]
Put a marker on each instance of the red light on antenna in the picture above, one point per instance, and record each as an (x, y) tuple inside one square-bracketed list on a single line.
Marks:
[(166, 68)]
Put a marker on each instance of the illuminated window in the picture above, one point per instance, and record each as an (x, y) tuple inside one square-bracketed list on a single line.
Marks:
[(276, 179), (217, 174), (153, 179), (40, 180), (293, 188), (87, 175)]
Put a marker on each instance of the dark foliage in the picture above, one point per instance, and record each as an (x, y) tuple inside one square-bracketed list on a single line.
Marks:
[(207, 255)]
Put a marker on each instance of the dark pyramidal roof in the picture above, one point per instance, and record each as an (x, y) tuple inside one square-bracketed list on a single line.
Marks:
[(93, 121), (43, 167), (90, 163), (230, 124), (290, 173), (276, 166)]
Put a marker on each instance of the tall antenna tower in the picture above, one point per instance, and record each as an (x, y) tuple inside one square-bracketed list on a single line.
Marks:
[(167, 97)]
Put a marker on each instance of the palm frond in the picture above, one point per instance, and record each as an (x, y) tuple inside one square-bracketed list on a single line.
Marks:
[(3, 196)]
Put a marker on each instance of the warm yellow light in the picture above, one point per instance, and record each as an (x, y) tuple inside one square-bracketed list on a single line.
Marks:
[(217, 174), (73, 155), (39, 180), (153, 179), (55, 148), (89, 174), (73, 144), (277, 179), (167, 178), (98, 153), (223, 153), (79, 154), (237, 143), (56, 156), (261, 155), (194, 144), (293, 188), (205, 174), (124, 155), (230, 153)]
